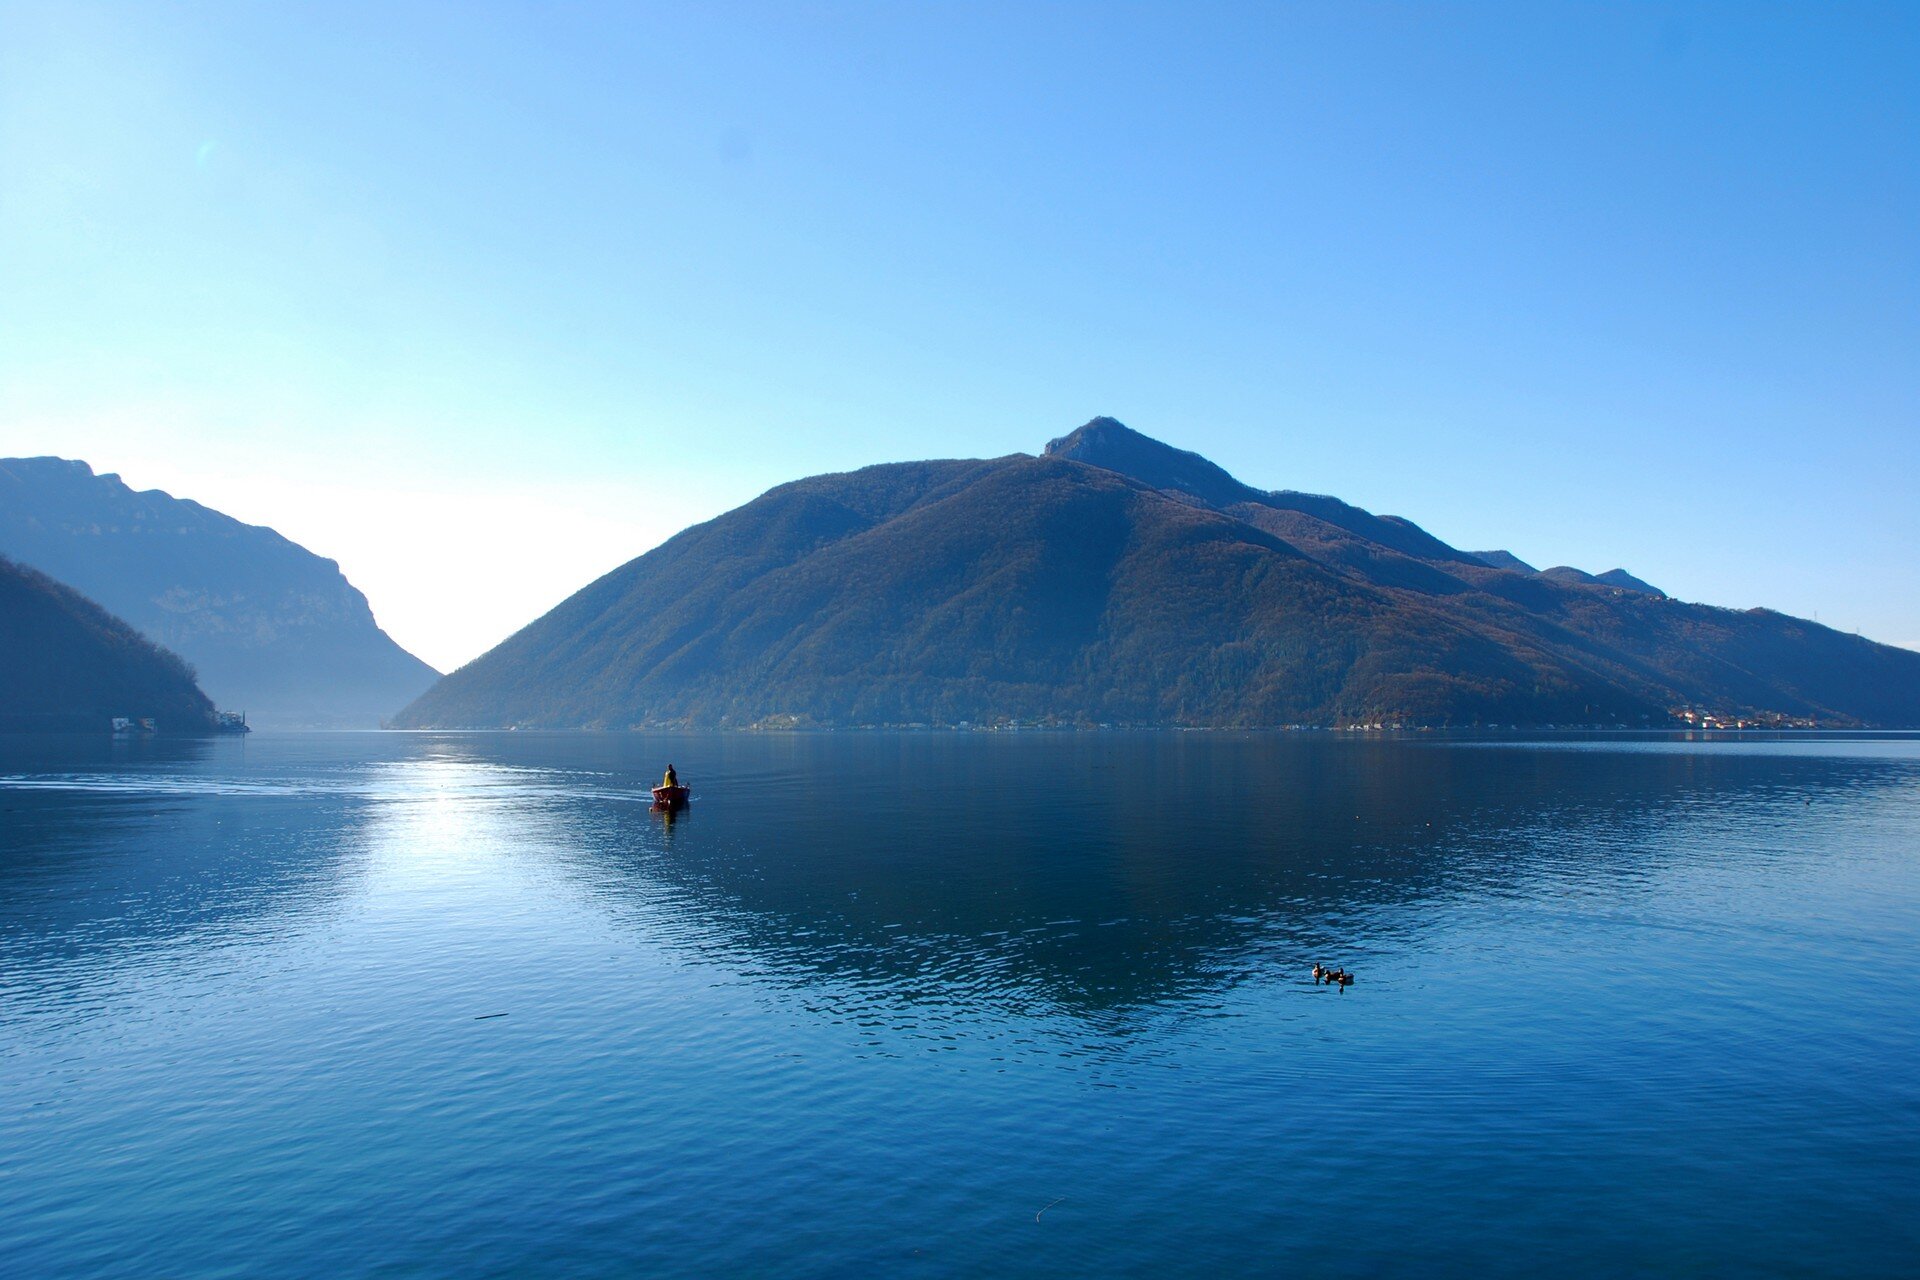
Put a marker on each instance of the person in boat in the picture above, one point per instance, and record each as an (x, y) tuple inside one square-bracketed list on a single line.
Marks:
[(671, 779)]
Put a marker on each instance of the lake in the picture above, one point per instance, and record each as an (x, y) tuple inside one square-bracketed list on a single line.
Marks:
[(947, 1004)]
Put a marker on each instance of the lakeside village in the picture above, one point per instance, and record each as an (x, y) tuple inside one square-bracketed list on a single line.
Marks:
[(1677, 718), (223, 722)]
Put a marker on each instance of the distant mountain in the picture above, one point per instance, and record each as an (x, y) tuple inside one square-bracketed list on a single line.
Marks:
[(274, 630), (1114, 579), (1621, 578), (66, 663), (1611, 578), (1503, 560), (1567, 573)]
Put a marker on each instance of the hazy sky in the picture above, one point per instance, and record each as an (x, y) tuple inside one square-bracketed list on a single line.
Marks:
[(483, 301)]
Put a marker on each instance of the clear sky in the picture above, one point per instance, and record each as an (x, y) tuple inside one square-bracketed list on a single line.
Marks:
[(483, 301)]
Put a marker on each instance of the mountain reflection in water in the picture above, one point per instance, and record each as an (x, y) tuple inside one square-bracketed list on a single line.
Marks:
[(440, 1002)]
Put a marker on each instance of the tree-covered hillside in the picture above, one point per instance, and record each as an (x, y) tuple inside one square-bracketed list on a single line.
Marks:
[(1116, 580), (66, 663)]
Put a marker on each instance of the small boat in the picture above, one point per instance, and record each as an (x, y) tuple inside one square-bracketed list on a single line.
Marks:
[(670, 797)]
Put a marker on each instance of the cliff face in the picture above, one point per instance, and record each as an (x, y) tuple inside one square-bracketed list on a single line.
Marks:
[(273, 629), (1114, 579), (66, 663)]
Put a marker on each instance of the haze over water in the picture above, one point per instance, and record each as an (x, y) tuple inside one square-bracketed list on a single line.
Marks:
[(944, 1004)]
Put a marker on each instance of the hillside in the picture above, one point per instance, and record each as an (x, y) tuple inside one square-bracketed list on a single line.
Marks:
[(1113, 579), (273, 629), (66, 663)]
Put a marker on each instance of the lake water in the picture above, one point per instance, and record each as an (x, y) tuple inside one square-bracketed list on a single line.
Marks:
[(950, 1004)]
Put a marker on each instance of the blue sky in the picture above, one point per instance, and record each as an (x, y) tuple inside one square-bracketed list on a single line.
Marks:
[(485, 300)]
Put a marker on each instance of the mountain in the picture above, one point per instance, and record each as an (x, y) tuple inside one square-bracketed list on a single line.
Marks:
[(1107, 444), (66, 663), (1503, 560), (1621, 578), (274, 630), (1611, 578), (1567, 573), (1113, 579)]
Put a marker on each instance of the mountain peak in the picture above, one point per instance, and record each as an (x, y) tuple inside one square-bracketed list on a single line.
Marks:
[(1611, 578), (1503, 560), (1097, 428), (1112, 445), (46, 467)]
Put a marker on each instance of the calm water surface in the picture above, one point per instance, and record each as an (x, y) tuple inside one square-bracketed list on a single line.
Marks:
[(930, 1004)]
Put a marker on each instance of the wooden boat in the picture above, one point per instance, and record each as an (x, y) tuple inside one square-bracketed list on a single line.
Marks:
[(670, 797)]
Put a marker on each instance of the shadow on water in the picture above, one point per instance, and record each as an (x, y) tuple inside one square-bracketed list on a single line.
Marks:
[(1104, 874)]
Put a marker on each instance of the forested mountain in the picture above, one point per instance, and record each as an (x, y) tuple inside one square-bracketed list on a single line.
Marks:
[(66, 663), (1114, 579), (274, 630)]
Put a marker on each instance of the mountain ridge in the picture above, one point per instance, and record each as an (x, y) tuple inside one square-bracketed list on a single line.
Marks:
[(273, 628), (1114, 579)]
